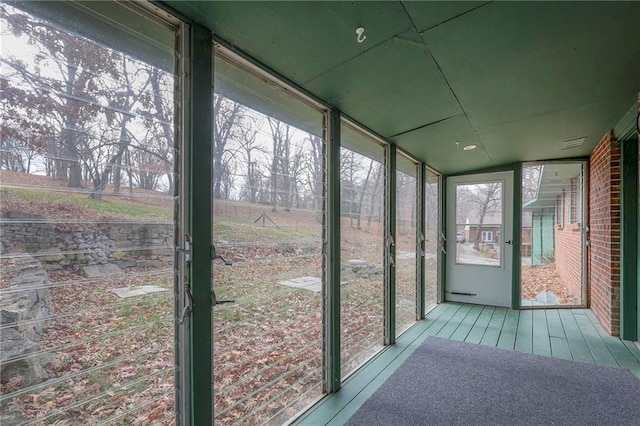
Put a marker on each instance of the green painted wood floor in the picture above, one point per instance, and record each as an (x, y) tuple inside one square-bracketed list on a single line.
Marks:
[(572, 334)]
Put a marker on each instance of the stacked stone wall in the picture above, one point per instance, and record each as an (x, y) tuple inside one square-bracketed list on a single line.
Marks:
[(58, 245)]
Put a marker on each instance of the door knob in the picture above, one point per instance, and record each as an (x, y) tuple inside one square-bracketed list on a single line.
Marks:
[(508, 242)]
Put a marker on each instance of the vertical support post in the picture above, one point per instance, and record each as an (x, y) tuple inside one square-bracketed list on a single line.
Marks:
[(628, 240), (331, 255), (390, 246), (516, 237), (420, 241), (181, 228), (585, 233), (201, 149), (442, 246)]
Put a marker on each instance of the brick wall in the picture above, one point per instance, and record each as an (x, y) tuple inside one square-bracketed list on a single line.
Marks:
[(568, 256), (604, 226)]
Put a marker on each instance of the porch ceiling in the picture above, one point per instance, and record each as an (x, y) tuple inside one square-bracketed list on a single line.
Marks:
[(517, 79)]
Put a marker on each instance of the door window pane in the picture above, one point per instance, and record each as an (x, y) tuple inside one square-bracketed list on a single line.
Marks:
[(87, 225), (478, 223)]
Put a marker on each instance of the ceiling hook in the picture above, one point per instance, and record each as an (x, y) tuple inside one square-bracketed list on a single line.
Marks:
[(361, 36)]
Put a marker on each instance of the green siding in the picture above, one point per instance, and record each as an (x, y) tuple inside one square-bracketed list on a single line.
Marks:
[(542, 241)]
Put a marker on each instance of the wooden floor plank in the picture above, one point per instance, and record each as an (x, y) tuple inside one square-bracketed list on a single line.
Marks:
[(560, 348), (589, 313), (437, 311), (599, 350), (507, 339), (480, 327), (454, 322), (617, 347), (633, 348), (579, 349), (524, 334), (492, 334), (622, 354), (443, 319), (541, 341), (467, 323), (554, 324)]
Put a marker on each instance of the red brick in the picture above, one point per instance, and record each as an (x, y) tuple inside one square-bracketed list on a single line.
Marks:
[(604, 223)]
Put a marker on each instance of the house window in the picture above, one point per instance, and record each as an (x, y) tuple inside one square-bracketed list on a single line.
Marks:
[(560, 210), (487, 236), (573, 201)]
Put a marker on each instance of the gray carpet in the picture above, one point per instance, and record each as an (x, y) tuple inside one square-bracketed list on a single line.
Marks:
[(445, 382)]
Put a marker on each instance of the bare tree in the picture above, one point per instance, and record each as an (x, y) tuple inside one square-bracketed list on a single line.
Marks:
[(250, 149), (228, 117), (122, 101), (94, 98), (363, 191), (315, 171), (350, 170), (71, 82), (281, 136), (406, 187), (375, 193), (530, 182), (486, 198)]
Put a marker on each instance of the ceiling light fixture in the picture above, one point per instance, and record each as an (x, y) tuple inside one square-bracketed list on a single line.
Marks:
[(470, 147)]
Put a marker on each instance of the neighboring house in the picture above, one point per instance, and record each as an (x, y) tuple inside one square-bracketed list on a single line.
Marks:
[(489, 230)]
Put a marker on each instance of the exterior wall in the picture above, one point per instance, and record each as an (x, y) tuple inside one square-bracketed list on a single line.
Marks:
[(568, 255), (542, 243), (604, 226)]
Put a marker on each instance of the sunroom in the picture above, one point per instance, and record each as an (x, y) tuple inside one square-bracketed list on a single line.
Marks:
[(254, 212)]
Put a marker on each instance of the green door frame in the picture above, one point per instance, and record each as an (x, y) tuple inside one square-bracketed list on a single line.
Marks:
[(626, 131), (629, 239), (516, 235)]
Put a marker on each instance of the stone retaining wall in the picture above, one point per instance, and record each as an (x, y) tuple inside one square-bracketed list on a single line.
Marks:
[(25, 307), (63, 244)]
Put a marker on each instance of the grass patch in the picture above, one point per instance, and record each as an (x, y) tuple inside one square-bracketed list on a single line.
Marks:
[(120, 208)]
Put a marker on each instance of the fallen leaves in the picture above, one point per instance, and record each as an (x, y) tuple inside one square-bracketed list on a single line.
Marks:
[(536, 279)]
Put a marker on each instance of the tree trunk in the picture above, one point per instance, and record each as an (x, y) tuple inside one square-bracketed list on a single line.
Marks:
[(373, 198), (364, 189), (100, 184)]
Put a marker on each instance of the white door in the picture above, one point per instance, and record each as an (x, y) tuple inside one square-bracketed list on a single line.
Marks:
[(479, 238)]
